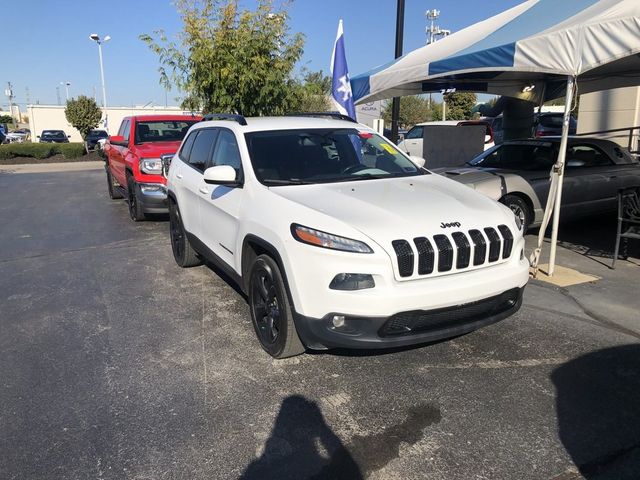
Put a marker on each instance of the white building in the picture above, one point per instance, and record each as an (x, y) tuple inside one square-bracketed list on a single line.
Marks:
[(51, 117)]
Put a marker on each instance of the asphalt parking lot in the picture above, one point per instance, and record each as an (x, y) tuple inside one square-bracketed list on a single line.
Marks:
[(115, 363)]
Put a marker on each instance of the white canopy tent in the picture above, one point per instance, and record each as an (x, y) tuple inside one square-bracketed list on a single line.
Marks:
[(538, 50)]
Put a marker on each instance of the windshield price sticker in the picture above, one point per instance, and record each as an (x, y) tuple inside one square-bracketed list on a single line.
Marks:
[(389, 148)]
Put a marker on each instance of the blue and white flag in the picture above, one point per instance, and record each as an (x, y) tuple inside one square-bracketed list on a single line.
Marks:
[(341, 85)]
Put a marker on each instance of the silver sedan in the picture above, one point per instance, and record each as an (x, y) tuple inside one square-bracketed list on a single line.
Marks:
[(517, 173)]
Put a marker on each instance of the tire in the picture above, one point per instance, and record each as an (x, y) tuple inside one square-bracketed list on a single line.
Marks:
[(271, 312), (520, 208), (114, 192), (135, 208), (183, 253)]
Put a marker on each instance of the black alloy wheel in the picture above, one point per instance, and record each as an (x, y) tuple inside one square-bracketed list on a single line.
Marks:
[(183, 253), (135, 209), (271, 312)]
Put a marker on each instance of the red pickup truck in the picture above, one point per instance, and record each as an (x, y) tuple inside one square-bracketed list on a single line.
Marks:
[(134, 160)]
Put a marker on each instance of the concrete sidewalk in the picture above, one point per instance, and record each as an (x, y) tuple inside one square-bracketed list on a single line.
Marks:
[(52, 167)]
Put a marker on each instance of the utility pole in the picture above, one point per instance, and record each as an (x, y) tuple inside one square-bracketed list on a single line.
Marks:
[(434, 31), (27, 95), (9, 93), (395, 106)]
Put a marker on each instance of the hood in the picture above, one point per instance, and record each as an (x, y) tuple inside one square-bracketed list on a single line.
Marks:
[(157, 149), (409, 207), (469, 175)]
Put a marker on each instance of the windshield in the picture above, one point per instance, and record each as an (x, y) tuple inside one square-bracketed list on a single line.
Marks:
[(517, 156), (53, 133), (286, 157), (162, 131)]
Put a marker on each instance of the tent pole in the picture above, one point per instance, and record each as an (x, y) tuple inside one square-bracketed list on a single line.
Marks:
[(559, 171)]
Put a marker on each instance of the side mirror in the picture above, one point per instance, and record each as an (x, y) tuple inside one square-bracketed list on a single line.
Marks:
[(117, 140), (419, 161), (37, 136), (221, 175)]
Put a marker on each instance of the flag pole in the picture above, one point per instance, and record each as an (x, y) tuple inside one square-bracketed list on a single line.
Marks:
[(395, 105)]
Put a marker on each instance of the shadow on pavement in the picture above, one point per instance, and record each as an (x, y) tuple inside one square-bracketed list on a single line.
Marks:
[(302, 446), (598, 407)]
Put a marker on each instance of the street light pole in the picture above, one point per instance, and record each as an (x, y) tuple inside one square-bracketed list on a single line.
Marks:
[(66, 85), (96, 38)]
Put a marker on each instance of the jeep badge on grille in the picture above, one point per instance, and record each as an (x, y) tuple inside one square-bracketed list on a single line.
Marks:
[(452, 224)]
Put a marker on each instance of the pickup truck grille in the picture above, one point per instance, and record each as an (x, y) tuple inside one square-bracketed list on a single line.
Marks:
[(440, 253)]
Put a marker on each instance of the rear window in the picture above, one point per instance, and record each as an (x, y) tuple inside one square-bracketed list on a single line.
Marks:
[(555, 121), (162, 131)]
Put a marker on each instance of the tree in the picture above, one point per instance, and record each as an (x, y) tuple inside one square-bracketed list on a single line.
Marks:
[(413, 109), (459, 105), (6, 119), (227, 60), (83, 113), (312, 93)]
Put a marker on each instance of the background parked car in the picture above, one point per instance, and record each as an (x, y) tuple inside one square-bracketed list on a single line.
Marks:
[(517, 174), (412, 142), (2, 137), (94, 136), (19, 135), (544, 125), (53, 136)]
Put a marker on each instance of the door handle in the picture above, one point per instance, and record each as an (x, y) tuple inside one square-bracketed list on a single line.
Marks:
[(204, 190), (178, 175)]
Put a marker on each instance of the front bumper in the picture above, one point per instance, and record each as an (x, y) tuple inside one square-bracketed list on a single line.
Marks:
[(406, 328), (152, 197)]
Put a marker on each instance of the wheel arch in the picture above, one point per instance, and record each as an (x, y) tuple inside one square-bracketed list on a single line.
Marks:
[(252, 247)]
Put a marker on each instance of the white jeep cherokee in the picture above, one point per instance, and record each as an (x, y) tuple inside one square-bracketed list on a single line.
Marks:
[(337, 238)]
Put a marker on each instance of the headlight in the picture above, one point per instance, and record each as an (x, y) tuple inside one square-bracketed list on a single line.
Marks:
[(327, 240), (151, 165)]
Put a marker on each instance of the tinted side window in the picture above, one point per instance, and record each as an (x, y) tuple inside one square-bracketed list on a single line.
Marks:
[(587, 156), (226, 152), (201, 150), (415, 132), (185, 150)]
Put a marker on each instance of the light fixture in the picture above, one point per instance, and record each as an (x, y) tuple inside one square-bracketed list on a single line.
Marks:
[(528, 88)]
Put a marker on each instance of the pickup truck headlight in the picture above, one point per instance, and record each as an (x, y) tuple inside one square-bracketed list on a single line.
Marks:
[(318, 238), (151, 165)]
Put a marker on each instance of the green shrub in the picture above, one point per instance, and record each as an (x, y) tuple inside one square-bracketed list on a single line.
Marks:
[(71, 150), (41, 151)]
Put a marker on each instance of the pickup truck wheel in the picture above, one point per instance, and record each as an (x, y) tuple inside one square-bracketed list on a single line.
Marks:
[(135, 209), (114, 192), (183, 252), (271, 313), (519, 208)]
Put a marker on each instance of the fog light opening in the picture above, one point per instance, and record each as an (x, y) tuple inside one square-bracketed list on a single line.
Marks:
[(338, 321), (352, 281)]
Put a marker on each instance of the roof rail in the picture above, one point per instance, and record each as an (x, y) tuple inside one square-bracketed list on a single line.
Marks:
[(225, 116), (336, 115)]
